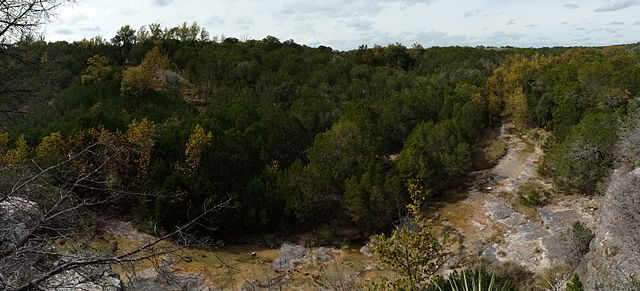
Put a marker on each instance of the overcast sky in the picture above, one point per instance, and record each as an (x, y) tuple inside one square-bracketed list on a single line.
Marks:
[(347, 24)]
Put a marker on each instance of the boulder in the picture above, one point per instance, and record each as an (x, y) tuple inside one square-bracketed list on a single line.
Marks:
[(290, 256), (107, 280), (17, 217), (323, 254)]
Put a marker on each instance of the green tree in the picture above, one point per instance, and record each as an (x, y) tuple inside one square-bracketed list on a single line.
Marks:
[(581, 162), (435, 154), (125, 37), (371, 200)]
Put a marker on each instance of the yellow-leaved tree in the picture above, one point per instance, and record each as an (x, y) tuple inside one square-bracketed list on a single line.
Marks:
[(141, 136), (136, 80), (51, 146), (4, 140), (18, 154), (194, 148), (98, 69), (506, 86)]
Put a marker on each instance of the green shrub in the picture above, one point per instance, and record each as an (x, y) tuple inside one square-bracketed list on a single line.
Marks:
[(533, 199), (581, 238), (575, 284)]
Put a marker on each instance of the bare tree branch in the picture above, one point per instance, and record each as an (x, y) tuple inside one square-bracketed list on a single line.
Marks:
[(45, 205)]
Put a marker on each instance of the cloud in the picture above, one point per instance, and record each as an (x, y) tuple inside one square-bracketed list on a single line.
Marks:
[(530, 25), (616, 5), (612, 30), (423, 37), (244, 23), (617, 23), (75, 19), (361, 25), (636, 23), (472, 13), (500, 38), (511, 21), (216, 21), (414, 2), (570, 6), (581, 28), (341, 9), (161, 2), (90, 28), (64, 31), (328, 9)]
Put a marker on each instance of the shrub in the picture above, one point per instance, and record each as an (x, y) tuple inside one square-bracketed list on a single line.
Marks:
[(533, 199), (575, 284), (474, 279), (581, 237)]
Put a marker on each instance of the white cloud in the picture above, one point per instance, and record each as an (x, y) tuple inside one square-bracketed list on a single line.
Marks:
[(345, 24), (161, 2), (361, 25), (215, 21), (616, 5)]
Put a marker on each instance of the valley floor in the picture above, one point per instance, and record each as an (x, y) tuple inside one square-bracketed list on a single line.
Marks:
[(494, 224)]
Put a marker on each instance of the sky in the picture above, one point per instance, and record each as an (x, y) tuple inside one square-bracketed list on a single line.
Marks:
[(348, 24)]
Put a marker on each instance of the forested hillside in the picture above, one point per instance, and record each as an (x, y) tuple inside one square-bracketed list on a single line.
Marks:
[(298, 137), (302, 137), (156, 123)]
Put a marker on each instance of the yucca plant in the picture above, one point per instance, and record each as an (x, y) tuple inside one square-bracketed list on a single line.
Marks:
[(472, 280)]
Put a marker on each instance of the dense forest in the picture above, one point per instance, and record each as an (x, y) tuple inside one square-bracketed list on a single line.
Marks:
[(302, 138)]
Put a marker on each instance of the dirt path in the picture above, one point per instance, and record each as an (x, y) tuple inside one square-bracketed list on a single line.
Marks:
[(496, 226)]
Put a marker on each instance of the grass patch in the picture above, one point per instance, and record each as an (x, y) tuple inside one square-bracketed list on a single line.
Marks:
[(489, 151), (529, 197), (535, 198)]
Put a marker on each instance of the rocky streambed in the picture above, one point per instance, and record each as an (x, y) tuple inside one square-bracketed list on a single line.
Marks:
[(248, 266), (497, 227)]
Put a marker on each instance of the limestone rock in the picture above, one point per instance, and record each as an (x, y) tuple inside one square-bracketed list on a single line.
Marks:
[(290, 256)]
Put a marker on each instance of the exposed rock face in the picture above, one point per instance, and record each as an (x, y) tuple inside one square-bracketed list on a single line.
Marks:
[(154, 282), (536, 246), (72, 280), (613, 262), (290, 256), (17, 217)]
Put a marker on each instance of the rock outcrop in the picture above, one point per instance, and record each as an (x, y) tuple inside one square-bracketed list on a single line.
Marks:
[(613, 262), (290, 256), (17, 217)]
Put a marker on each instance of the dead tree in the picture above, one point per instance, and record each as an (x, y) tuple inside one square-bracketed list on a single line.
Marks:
[(48, 223), (22, 18)]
